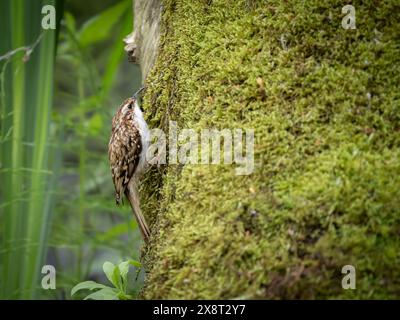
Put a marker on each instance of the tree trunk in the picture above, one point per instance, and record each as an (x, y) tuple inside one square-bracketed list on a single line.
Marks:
[(324, 105)]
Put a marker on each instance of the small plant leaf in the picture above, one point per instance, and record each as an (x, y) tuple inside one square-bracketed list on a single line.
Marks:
[(117, 281), (108, 269), (117, 275), (113, 274), (106, 293), (123, 270), (123, 296), (135, 263), (89, 285)]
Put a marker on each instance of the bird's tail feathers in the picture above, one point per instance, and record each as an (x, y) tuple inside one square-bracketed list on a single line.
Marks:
[(133, 197)]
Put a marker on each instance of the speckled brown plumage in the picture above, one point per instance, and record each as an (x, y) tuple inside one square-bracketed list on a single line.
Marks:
[(124, 149), (124, 152)]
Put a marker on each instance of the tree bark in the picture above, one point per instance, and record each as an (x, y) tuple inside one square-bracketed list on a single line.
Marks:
[(323, 101), (142, 43)]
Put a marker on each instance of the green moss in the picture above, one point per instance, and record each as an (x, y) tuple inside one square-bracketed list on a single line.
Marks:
[(326, 187)]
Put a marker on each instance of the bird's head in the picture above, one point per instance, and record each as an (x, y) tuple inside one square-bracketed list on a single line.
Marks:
[(125, 113), (127, 109), (129, 105)]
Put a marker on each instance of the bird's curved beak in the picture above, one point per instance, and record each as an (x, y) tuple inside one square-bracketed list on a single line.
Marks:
[(138, 92)]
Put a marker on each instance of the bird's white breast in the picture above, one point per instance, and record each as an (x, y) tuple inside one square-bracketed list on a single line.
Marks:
[(144, 135)]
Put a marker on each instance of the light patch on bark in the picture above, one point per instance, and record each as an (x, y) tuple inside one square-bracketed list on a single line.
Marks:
[(142, 43)]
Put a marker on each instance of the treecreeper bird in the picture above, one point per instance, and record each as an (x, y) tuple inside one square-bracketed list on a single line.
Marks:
[(127, 154)]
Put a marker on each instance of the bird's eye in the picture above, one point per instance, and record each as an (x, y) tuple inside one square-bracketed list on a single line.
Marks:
[(130, 106)]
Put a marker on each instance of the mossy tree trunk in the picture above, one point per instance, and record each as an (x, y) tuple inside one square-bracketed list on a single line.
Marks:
[(325, 192)]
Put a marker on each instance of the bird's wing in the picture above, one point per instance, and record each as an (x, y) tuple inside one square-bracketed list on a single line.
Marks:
[(124, 152)]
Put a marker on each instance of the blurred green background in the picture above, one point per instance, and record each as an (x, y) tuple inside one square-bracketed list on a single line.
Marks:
[(59, 91)]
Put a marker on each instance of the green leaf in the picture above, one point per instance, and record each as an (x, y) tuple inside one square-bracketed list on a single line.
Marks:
[(135, 263), (113, 274), (123, 270), (108, 269), (89, 285), (104, 294), (99, 27), (117, 278), (123, 296)]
